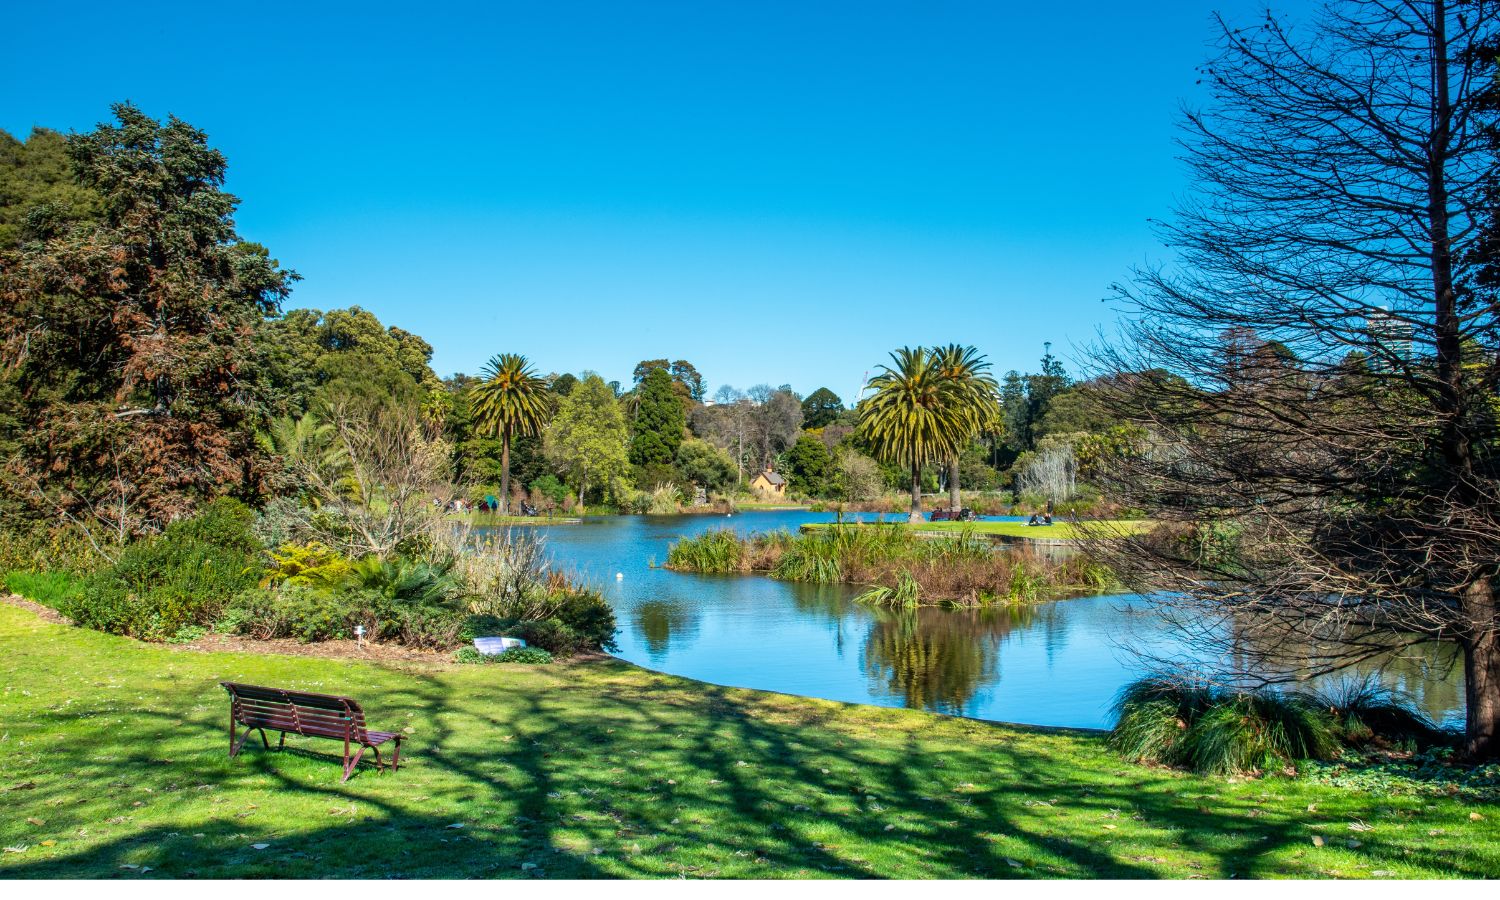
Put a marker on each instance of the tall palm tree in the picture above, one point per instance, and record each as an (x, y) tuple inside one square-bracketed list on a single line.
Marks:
[(981, 400), (510, 401), (916, 415)]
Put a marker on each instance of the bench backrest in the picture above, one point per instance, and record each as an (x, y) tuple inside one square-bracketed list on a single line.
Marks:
[(298, 712)]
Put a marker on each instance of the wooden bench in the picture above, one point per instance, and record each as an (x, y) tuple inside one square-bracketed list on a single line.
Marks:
[(257, 708)]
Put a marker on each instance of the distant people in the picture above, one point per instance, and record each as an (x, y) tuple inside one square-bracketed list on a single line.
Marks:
[(1035, 519), (1048, 517)]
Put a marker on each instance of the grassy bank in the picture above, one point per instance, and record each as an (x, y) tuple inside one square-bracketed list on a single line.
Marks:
[(114, 766), (962, 569), (1058, 531)]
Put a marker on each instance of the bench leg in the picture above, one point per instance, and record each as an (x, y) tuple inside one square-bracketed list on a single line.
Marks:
[(263, 739), (351, 764), (234, 748), (281, 744), (379, 766), (396, 755)]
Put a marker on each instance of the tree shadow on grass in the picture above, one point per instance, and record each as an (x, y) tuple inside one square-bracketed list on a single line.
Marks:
[(649, 777)]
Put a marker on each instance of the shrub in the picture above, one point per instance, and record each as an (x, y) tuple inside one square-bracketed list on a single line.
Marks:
[(527, 656), (181, 577), (311, 564)]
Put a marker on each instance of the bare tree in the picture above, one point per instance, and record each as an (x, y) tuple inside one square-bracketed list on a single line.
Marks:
[(1318, 372), (381, 473)]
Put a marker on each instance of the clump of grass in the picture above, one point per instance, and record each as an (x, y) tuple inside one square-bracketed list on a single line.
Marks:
[(1220, 731), (1249, 732), (1365, 711), (52, 589), (906, 593), (716, 552)]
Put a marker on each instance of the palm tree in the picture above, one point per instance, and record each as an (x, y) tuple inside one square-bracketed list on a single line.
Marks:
[(510, 401), (916, 415), (969, 368)]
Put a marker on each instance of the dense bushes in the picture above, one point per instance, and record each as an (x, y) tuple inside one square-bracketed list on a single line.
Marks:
[(1224, 731), (212, 571), (178, 579)]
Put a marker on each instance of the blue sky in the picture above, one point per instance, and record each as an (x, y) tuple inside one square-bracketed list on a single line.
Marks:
[(778, 192)]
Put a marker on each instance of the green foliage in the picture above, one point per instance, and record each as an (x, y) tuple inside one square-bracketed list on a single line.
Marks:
[(1220, 731), (182, 577), (311, 614), (407, 581), (311, 564), (510, 401), (526, 656), (821, 408), (550, 487), (906, 593), (659, 424), (718, 551), (54, 589), (809, 467), (703, 464), (103, 420), (588, 441), (1365, 711), (39, 189)]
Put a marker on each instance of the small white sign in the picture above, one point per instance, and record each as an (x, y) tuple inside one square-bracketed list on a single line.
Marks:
[(494, 646)]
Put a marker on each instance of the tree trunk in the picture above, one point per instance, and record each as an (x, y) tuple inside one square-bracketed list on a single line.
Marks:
[(1482, 672), (955, 496), (915, 515), (505, 471)]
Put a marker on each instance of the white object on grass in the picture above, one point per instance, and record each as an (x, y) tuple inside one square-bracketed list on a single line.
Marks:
[(494, 646)]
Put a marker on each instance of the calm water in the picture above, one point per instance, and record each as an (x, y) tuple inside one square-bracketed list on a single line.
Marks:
[(1054, 664)]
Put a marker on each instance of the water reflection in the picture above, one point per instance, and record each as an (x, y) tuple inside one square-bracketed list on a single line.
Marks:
[(660, 622), (1052, 664)]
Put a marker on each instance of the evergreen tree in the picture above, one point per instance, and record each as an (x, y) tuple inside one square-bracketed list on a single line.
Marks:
[(659, 425), (129, 337)]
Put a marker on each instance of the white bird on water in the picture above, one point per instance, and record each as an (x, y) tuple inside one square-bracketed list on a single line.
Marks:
[(619, 576)]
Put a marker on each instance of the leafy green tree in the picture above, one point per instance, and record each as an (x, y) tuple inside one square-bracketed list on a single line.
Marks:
[(658, 428), (312, 359), (822, 407), (589, 442), (563, 384), (809, 466), (703, 464), (917, 415), (510, 401), (129, 336)]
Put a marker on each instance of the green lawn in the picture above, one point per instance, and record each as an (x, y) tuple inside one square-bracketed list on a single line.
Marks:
[(492, 520), (112, 765), (1058, 531)]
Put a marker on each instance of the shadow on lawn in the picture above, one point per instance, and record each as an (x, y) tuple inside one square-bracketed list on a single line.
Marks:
[(758, 779)]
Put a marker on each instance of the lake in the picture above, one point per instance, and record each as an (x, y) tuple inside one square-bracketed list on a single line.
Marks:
[(1055, 663)]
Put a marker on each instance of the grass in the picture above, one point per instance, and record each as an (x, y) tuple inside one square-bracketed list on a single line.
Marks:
[(113, 765), (1058, 531), (491, 520), (47, 588)]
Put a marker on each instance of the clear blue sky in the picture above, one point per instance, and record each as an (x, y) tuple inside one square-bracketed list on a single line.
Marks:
[(778, 192)]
